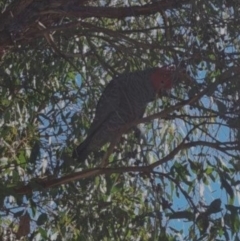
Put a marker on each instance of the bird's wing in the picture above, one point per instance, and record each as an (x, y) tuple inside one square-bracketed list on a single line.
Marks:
[(107, 105)]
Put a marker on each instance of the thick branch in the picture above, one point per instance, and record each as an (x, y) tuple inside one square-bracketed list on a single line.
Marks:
[(221, 146), (120, 12)]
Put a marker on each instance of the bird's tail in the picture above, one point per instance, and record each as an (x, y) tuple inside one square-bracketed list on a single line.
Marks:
[(81, 152)]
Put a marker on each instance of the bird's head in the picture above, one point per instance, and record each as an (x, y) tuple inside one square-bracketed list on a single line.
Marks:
[(162, 78)]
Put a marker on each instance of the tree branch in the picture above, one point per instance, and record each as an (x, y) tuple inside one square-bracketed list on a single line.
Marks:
[(117, 13), (46, 183)]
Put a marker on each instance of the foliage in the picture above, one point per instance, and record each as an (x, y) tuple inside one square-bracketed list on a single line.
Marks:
[(177, 178)]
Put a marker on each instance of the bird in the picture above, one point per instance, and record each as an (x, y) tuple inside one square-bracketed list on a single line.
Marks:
[(123, 101)]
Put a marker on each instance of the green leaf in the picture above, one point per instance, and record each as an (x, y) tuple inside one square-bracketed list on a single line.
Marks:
[(43, 233), (42, 219), (221, 106), (214, 207), (181, 215), (227, 187)]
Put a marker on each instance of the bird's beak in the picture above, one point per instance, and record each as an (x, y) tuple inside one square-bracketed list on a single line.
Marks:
[(182, 77)]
